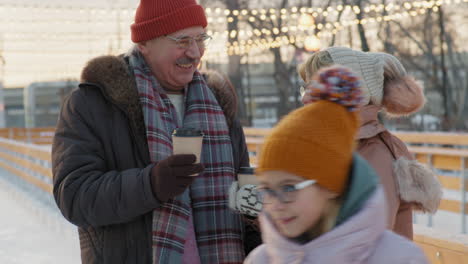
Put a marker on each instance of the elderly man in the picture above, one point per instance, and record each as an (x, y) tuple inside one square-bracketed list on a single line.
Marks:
[(115, 175)]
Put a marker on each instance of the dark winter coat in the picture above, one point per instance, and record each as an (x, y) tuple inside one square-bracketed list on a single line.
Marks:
[(101, 164)]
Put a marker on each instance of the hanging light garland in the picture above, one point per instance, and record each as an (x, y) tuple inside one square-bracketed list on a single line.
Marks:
[(214, 15), (241, 47), (257, 32), (246, 46), (263, 32)]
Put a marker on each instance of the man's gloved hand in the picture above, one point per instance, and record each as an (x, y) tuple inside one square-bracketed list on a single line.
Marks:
[(244, 199), (171, 176)]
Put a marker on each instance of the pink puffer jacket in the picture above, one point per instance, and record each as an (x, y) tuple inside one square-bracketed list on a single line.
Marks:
[(362, 239)]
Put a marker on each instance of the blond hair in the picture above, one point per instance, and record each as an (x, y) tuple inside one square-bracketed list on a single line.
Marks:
[(314, 63)]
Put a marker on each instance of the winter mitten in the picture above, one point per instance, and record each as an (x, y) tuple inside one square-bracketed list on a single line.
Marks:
[(170, 177), (418, 184), (244, 199)]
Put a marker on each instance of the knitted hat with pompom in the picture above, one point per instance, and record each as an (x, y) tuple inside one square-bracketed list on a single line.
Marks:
[(317, 141)]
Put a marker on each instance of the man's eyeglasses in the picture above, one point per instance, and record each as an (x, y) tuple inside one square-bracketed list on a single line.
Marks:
[(186, 42), (286, 193)]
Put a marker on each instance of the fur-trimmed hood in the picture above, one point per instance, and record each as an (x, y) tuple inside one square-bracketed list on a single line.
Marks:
[(113, 75)]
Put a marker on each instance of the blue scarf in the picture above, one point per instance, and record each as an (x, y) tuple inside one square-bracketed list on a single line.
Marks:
[(218, 230)]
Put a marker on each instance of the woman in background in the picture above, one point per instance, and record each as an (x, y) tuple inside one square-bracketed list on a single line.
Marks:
[(387, 87), (322, 202)]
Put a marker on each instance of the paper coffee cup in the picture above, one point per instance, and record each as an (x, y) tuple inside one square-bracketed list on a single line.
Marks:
[(246, 175), (187, 141)]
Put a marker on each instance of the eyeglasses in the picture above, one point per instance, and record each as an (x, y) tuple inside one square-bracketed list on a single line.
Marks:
[(286, 193), (303, 88), (186, 42)]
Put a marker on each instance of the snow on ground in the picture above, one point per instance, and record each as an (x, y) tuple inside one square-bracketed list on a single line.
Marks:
[(31, 227)]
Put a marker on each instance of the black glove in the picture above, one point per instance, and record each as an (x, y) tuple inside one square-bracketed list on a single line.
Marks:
[(171, 176)]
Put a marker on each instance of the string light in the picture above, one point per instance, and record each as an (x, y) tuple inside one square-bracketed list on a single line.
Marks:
[(226, 12), (284, 29), (216, 15), (269, 43), (257, 32)]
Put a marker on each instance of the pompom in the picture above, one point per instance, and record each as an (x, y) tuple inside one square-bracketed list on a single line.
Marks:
[(403, 96), (336, 84)]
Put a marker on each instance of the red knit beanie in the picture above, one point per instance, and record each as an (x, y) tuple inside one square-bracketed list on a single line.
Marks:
[(155, 18)]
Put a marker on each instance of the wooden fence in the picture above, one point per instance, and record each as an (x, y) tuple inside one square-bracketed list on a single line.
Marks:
[(37, 135), (440, 247), (30, 162), (448, 155)]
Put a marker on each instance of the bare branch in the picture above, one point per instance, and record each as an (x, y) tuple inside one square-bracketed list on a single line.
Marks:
[(340, 13), (408, 34)]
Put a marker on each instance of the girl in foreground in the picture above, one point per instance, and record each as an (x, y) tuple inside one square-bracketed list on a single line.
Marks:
[(322, 202)]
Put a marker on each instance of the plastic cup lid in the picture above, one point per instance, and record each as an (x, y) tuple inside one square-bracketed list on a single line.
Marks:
[(187, 132), (246, 170)]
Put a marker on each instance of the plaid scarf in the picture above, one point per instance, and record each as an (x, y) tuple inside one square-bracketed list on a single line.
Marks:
[(218, 230)]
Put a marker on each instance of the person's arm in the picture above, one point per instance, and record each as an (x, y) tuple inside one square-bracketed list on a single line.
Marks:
[(243, 151), (86, 192), (243, 199), (239, 146)]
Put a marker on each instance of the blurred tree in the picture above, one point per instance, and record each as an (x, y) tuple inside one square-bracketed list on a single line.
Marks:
[(426, 42), (361, 30), (234, 66), (427, 47), (284, 71), (234, 71)]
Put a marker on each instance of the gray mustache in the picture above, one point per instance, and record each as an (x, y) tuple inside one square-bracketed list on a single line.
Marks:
[(185, 61)]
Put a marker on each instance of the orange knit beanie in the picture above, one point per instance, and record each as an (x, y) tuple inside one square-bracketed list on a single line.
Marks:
[(317, 141)]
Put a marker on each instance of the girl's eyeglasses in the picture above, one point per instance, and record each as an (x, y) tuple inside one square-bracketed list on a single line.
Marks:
[(285, 194)]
